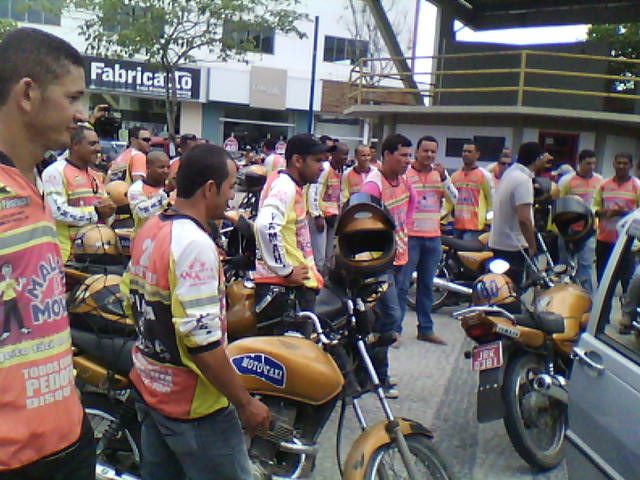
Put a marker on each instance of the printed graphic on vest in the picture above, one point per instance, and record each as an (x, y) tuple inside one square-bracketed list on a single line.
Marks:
[(9, 289), (262, 366)]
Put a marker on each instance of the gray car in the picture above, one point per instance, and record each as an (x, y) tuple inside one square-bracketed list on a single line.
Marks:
[(603, 439)]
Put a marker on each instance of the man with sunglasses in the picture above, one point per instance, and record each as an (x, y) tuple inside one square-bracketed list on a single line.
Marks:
[(504, 162), (131, 165), (74, 191)]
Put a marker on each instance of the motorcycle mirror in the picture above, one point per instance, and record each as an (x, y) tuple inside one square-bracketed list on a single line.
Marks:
[(499, 266)]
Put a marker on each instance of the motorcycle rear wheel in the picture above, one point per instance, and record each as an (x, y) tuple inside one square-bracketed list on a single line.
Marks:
[(386, 462), (122, 454), (536, 431)]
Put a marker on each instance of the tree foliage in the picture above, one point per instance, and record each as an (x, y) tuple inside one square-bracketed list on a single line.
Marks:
[(172, 33), (6, 25), (624, 42)]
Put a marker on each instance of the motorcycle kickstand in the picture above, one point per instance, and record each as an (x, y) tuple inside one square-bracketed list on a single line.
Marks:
[(393, 426)]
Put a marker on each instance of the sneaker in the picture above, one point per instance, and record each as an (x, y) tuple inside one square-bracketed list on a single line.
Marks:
[(390, 390), (25, 330), (4, 336), (431, 338)]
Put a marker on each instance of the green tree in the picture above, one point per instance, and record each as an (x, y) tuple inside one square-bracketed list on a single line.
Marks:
[(6, 25), (624, 42), (172, 33)]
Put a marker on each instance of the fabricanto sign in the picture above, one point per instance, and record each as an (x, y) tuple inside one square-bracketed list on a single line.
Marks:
[(139, 78)]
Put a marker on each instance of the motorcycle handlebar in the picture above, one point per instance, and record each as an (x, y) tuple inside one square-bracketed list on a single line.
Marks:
[(318, 327)]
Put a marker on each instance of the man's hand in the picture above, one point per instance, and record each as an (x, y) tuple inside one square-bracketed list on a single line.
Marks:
[(100, 111), (255, 416), (298, 276), (438, 167), (105, 208), (319, 223), (170, 185)]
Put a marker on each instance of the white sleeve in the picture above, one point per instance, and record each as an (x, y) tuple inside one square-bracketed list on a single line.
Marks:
[(56, 196), (315, 191), (450, 191), (197, 288), (144, 207)]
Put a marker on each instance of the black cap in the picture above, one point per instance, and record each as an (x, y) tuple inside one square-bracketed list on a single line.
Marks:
[(305, 144)]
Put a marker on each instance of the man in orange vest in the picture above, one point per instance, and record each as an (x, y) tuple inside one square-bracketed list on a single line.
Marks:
[(44, 434), (75, 191), (324, 207), (475, 194), (272, 160), (131, 165), (354, 178), (392, 187), (615, 198)]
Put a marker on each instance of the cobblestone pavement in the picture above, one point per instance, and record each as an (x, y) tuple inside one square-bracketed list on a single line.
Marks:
[(438, 389)]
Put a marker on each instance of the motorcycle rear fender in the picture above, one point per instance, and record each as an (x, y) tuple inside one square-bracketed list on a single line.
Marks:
[(373, 438), (490, 404)]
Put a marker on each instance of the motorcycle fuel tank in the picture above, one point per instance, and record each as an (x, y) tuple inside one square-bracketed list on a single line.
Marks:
[(570, 301), (284, 366)]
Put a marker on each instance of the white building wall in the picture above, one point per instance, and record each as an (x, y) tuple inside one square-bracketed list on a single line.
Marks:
[(191, 118)]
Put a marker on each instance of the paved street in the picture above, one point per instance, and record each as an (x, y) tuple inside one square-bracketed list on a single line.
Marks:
[(438, 388)]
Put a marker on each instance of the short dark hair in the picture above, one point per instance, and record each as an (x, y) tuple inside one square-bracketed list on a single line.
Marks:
[(38, 55), (475, 145), (586, 153), (199, 165), (529, 152), (134, 132), (270, 144), (325, 139), (186, 138), (78, 134), (393, 142), (626, 155), (426, 138)]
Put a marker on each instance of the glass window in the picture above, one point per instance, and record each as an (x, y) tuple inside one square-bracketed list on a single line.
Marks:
[(262, 40), (337, 49), (21, 11)]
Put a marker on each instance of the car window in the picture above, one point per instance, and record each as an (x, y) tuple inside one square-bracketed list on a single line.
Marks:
[(611, 316)]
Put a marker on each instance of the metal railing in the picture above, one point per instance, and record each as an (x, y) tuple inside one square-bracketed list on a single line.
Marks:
[(506, 77)]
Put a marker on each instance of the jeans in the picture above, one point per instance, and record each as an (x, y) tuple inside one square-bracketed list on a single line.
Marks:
[(585, 258), (632, 299), (318, 243), (467, 234), (198, 449), (389, 304), (424, 257), (77, 462)]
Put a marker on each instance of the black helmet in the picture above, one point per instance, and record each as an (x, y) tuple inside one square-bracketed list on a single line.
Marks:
[(544, 191), (252, 178), (573, 218), (365, 236)]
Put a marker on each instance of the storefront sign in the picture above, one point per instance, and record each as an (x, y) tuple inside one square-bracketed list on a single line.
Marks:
[(268, 88), (125, 76), (231, 144)]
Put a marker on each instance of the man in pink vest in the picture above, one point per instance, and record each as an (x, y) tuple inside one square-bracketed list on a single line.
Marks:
[(392, 187)]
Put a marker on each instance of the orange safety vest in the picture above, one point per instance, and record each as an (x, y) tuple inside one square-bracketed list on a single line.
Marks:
[(330, 200), (41, 409), (353, 182), (585, 188), (429, 194), (610, 194), (473, 202), (128, 163)]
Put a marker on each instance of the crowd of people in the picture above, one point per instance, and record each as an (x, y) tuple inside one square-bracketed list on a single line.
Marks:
[(174, 285)]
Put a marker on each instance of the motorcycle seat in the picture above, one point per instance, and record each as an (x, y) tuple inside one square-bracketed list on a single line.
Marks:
[(548, 322), (472, 245), (115, 352), (329, 306)]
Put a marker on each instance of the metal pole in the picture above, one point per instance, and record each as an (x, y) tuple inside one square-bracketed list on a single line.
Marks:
[(313, 75)]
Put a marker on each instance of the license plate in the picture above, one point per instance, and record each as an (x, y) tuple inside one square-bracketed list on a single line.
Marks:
[(486, 357)]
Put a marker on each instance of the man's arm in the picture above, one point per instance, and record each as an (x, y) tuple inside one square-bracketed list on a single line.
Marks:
[(138, 166), (144, 207), (199, 327), (56, 196), (524, 213)]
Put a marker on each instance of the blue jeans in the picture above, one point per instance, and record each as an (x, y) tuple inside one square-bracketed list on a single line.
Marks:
[(585, 258), (199, 449), (424, 257), (389, 306)]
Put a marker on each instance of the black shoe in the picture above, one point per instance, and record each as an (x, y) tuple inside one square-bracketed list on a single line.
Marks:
[(390, 390), (431, 338)]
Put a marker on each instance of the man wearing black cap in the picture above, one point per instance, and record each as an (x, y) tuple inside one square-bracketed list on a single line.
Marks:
[(286, 272)]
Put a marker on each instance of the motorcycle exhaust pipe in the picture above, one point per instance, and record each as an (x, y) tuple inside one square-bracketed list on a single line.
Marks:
[(450, 286), (106, 472), (552, 386)]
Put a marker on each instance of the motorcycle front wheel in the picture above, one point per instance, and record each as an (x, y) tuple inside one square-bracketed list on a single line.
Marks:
[(534, 422), (386, 462), (122, 452)]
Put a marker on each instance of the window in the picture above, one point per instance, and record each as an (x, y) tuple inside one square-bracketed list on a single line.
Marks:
[(454, 146), (255, 40), (337, 49), (21, 11)]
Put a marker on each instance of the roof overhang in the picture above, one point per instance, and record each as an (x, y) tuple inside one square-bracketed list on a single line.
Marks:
[(494, 14), (500, 116)]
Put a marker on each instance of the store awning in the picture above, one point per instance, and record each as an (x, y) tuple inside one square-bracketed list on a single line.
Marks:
[(494, 14)]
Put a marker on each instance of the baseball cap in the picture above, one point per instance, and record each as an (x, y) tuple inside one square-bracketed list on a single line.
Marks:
[(305, 144)]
